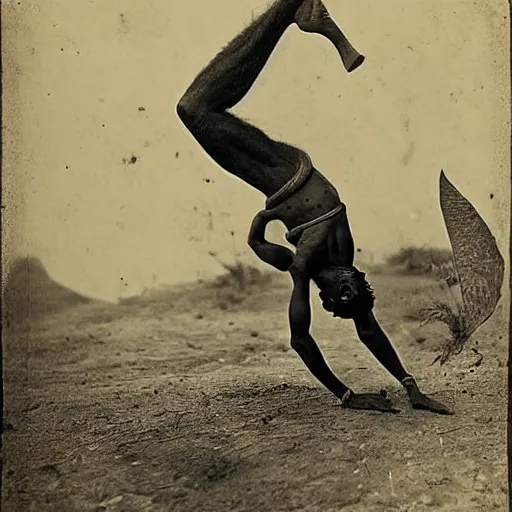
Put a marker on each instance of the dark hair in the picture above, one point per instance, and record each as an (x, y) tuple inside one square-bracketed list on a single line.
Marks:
[(354, 295)]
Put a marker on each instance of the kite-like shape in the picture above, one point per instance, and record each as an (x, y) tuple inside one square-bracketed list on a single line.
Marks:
[(478, 265)]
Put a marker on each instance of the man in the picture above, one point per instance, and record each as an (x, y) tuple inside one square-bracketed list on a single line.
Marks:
[(297, 195)]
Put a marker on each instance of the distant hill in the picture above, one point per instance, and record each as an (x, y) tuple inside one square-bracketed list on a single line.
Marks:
[(29, 292)]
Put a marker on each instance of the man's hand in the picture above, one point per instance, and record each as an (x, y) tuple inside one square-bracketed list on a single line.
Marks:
[(369, 401)]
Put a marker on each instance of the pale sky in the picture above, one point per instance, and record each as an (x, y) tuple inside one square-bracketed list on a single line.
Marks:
[(433, 93)]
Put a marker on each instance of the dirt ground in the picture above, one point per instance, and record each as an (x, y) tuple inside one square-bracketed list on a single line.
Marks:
[(190, 399)]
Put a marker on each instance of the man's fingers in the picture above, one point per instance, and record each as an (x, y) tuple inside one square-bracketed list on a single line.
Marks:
[(428, 404), (372, 402)]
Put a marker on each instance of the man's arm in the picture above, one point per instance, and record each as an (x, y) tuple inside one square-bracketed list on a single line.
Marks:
[(302, 342), (375, 339), (276, 255)]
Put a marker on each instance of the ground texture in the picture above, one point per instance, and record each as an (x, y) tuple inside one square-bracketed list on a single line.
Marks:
[(190, 399)]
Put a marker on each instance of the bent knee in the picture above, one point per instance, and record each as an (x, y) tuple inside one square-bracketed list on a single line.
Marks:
[(189, 110)]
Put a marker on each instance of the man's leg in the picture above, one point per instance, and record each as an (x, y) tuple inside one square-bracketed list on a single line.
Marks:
[(238, 147), (235, 145)]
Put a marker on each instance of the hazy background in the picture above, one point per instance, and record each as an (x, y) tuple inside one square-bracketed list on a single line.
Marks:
[(91, 83)]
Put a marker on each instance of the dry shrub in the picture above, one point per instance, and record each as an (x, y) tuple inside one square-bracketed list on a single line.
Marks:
[(420, 260), (450, 313)]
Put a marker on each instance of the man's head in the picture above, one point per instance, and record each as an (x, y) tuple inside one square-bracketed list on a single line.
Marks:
[(345, 292)]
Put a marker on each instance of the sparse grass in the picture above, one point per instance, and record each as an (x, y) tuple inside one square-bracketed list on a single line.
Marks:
[(238, 282), (241, 276), (445, 308), (421, 260), (450, 313)]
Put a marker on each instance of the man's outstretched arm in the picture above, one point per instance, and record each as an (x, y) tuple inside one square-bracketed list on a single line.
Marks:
[(376, 340), (304, 344)]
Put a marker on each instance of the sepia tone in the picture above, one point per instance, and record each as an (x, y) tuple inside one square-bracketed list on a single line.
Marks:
[(147, 359)]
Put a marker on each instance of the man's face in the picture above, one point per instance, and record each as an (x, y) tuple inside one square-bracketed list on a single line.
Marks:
[(347, 297)]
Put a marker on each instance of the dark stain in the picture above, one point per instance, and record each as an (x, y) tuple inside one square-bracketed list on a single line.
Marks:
[(177, 154), (130, 161), (124, 24), (405, 123), (103, 126), (142, 109), (407, 157), (207, 180), (492, 196), (67, 166)]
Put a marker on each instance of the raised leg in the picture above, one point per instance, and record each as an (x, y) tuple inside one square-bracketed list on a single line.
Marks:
[(235, 145), (238, 147)]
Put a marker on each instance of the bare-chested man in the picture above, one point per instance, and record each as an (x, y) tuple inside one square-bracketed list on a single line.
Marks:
[(297, 194)]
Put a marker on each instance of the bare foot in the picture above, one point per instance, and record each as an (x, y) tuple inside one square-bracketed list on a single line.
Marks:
[(312, 16)]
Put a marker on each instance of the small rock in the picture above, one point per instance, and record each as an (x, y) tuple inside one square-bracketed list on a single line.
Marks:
[(427, 500), (136, 463), (222, 360), (113, 501), (254, 334)]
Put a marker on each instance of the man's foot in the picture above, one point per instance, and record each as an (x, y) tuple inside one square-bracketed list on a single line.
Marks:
[(368, 401), (312, 16)]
